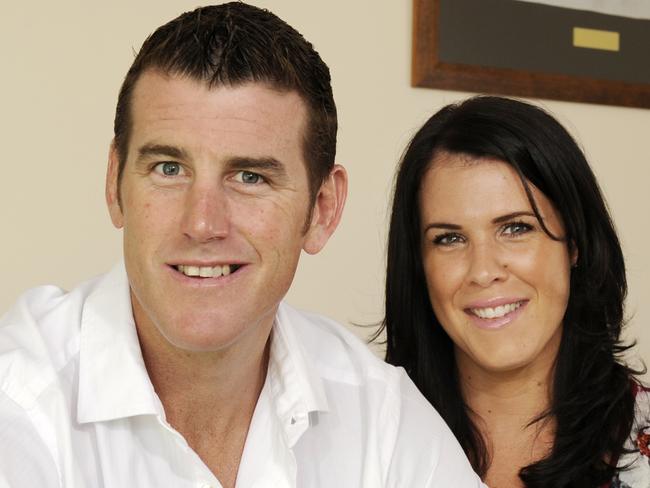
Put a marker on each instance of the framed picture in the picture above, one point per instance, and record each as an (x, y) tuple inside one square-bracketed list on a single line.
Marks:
[(532, 49)]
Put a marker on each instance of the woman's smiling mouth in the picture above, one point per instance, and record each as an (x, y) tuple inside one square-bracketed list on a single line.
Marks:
[(496, 312), (497, 316)]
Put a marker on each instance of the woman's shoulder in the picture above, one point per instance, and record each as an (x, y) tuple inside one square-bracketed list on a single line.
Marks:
[(635, 464)]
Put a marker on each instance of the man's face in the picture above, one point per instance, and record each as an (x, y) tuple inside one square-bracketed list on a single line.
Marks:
[(214, 200)]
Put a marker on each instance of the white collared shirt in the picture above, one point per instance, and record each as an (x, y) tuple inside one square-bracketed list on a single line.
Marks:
[(77, 408)]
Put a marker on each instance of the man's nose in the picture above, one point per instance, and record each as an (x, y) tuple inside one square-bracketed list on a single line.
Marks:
[(488, 263), (206, 215)]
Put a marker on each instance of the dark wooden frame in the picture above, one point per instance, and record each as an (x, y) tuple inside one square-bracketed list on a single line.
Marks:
[(428, 71)]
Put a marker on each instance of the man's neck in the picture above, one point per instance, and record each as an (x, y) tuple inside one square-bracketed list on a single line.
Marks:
[(197, 390), (209, 397)]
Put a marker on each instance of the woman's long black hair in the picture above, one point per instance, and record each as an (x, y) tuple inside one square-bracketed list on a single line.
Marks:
[(592, 395)]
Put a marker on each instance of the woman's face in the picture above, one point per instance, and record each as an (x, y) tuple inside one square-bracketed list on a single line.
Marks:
[(498, 284)]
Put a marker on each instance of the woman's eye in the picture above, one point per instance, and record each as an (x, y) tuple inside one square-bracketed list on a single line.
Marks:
[(248, 177), (516, 228), (447, 239), (168, 169)]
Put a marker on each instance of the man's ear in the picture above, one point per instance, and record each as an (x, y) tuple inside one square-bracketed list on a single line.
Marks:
[(327, 211), (112, 188)]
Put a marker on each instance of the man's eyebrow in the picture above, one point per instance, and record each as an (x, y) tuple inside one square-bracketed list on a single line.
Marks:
[(267, 165), (166, 150)]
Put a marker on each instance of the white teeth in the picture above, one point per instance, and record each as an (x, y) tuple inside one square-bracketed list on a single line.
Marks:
[(205, 271), (493, 313)]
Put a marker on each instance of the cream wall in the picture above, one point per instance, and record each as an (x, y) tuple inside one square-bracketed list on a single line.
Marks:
[(63, 62)]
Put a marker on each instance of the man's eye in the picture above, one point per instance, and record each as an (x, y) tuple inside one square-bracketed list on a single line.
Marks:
[(447, 239), (168, 169), (248, 177), (517, 228)]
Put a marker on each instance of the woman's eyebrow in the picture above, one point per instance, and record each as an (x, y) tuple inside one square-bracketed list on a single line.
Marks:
[(513, 215), (442, 225), (497, 220)]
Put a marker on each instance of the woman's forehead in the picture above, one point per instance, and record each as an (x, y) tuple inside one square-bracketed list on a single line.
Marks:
[(458, 185)]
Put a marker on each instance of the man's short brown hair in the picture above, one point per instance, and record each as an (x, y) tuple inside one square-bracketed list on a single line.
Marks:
[(232, 44)]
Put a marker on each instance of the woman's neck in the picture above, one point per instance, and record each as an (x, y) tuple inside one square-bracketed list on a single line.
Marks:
[(504, 406)]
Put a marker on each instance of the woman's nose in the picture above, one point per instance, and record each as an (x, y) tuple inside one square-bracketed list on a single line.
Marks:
[(487, 263)]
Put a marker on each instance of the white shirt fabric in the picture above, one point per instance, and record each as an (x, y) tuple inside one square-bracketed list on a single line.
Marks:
[(77, 408)]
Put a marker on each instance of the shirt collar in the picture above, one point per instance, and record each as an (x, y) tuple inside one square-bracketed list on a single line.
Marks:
[(114, 383), (296, 387), (113, 380)]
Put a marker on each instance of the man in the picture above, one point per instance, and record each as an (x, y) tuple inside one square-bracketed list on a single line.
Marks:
[(181, 367)]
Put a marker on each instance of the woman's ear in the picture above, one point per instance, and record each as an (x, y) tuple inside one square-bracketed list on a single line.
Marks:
[(573, 253)]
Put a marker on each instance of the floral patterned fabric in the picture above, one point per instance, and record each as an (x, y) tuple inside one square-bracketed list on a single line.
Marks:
[(637, 475)]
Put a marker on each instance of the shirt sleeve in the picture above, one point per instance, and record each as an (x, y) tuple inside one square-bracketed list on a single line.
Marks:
[(25, 461)]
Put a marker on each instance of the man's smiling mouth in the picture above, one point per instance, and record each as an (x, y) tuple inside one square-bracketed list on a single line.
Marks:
[(207, 271)]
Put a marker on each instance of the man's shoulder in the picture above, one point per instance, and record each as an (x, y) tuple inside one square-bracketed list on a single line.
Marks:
[(340, 357), (39, 335), (369, 397), (333, 348), (44, 310)]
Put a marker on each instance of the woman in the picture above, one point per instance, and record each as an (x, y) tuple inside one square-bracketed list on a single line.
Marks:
[(504, 299)]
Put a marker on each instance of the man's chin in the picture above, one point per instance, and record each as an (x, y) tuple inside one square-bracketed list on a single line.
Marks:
[(212, 332)]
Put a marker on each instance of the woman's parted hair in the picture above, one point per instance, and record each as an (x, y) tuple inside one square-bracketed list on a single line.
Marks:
[(593, 403)]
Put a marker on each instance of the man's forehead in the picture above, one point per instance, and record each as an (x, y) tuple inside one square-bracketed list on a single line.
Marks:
[(165, 98), (249, 120), (177, 88)]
